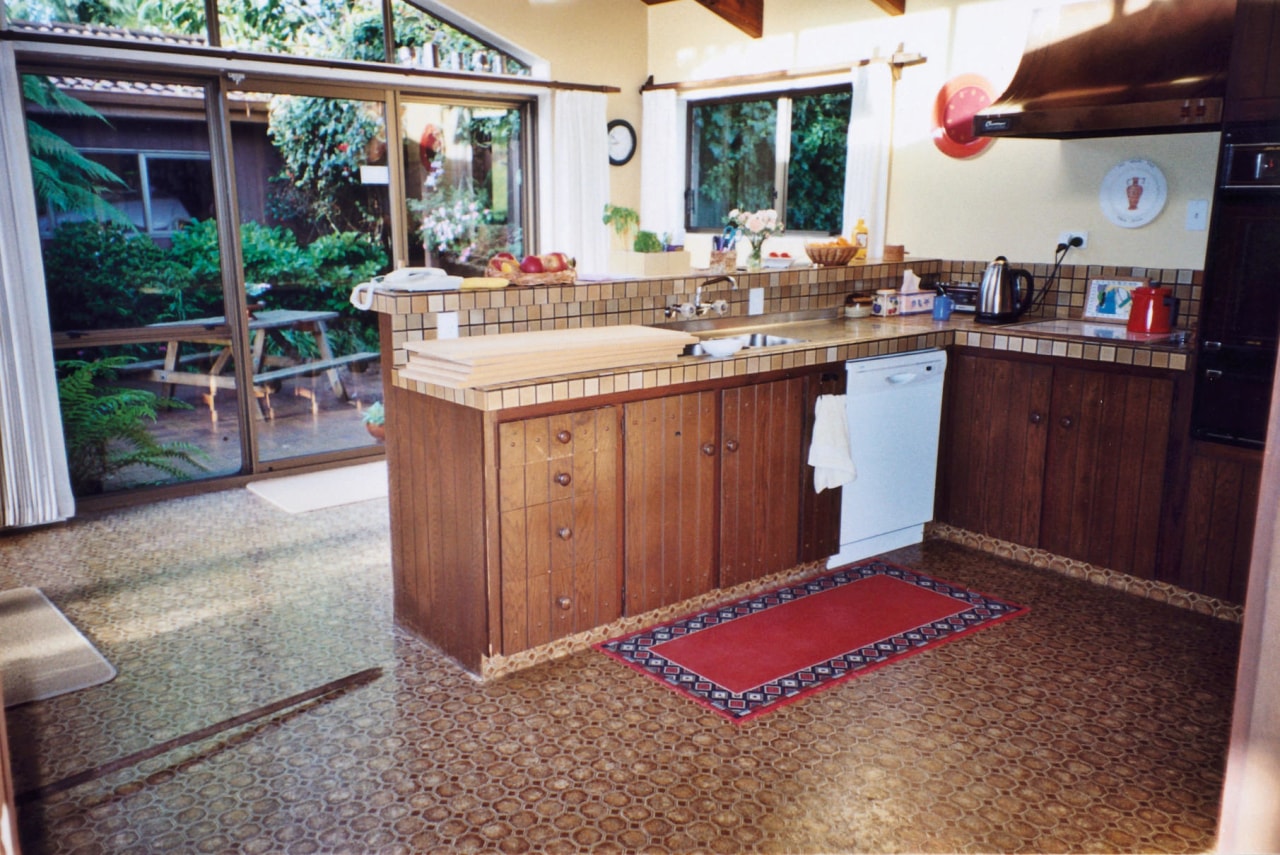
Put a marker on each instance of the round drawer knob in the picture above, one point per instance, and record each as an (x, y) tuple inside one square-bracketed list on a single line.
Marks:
[(563, 436), (1066, 421), (1036, 418), (564, 533), (564, 603), (732, 445), (564, 479), (708, 449)]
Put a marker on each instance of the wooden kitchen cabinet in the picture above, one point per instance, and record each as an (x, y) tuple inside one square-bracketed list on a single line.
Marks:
[(1253, 82), (559, 524), (1216, 529), (670, 472), (761, 477), (1063, 457), (715, 487)]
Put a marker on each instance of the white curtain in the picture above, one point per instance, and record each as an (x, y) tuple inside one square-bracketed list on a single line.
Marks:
[(580, 179), (661, 164), (33, 465), (866, 187)]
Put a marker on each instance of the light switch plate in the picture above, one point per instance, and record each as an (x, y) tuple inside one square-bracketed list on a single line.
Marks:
[(447, 325), (1197, 215), (755, 301)]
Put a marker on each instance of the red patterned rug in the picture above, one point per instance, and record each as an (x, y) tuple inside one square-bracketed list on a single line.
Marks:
[(748, 657)]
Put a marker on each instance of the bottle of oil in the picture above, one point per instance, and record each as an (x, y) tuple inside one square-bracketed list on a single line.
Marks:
[(860, 239)]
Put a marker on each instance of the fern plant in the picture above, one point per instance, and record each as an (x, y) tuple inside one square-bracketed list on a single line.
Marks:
[(105, 427)]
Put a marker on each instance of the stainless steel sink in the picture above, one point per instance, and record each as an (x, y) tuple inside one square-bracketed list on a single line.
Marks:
[(748, 340)]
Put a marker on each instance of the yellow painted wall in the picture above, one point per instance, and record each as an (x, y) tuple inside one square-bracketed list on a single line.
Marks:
[(584, 41), (1013, 199)]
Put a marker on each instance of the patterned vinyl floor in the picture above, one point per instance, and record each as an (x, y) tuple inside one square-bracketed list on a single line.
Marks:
[(1097, 723)]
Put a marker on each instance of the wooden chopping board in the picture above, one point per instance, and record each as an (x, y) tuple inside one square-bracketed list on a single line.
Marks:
[(486, 360)]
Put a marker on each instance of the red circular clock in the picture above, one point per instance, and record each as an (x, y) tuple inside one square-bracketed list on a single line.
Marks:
[(953, 111)]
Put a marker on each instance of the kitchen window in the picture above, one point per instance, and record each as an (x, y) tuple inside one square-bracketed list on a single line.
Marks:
[(786, 151)]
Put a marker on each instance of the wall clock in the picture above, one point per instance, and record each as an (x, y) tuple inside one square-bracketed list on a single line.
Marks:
[(1133, 193), (622, 142), (953, 111)]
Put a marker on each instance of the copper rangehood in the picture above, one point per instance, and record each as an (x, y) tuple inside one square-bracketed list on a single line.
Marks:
[(1113, 67)]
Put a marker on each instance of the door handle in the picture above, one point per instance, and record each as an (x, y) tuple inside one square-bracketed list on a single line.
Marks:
[(709, 449), (1066, 421), (1036, 418), (1212, 374), (899, 379), (564, 479), (731, 444)]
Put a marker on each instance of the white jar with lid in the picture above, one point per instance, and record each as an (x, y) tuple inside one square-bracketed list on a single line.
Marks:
[(885, 303)]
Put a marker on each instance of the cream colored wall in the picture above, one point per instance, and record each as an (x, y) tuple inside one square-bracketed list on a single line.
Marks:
[(599, 42), (1013, 199)]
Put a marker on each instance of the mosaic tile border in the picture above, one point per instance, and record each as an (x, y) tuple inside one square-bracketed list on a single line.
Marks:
[(499, 665), (591, 384), (1149, 589)]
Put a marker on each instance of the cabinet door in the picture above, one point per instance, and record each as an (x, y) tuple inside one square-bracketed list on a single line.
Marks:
[(991, 473), (762, 439), (1217, 530), (558, 498), (670, 470), (1253, 84), (1105, 471)]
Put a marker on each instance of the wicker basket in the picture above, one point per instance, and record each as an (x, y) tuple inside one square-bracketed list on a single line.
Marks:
[(561, 277), (830, 256)]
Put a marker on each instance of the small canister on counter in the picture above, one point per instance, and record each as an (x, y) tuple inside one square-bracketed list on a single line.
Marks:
[(857, 306), (885, 303), (942, 307)]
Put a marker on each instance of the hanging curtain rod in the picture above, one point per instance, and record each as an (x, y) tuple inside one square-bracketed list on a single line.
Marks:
[(897, 62)]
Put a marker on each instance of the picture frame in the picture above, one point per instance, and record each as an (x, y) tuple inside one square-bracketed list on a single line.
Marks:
[(1110, 299)]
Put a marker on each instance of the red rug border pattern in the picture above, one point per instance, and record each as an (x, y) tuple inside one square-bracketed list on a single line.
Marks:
[(635, 649)]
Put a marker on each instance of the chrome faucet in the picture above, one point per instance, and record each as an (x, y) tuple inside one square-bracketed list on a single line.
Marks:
[(697, 308)]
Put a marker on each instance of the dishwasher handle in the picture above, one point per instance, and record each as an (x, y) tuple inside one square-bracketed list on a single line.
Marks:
[(899, 379)]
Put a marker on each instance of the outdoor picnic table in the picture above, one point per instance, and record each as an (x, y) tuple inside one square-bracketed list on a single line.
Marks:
[(267, 369)]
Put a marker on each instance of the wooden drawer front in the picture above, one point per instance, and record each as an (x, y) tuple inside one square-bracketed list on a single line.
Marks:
[(559, 526), (545, 460)]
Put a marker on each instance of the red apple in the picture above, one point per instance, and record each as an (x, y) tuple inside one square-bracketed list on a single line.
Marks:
[(532, 264), (554, 262), (503, 256)]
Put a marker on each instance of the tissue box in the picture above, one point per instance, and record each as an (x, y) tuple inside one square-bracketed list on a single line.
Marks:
[(915, 303)]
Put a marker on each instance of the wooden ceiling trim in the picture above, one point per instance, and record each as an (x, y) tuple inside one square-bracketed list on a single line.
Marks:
[(893, 7), (746, 15)]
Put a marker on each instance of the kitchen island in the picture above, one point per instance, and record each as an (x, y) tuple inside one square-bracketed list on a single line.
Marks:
[(533, 518)]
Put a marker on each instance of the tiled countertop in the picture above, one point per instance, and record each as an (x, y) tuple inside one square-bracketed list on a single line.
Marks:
[(825, 340)]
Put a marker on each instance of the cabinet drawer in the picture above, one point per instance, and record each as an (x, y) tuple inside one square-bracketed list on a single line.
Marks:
[(545, 460), (558, 526)]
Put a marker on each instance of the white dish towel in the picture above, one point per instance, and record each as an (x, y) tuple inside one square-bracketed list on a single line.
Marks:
[(829, 453)]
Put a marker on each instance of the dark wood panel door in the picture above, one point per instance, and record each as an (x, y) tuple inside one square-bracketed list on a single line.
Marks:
[(762, 439), (559, 522), (1217, 531), (1105, 469), (819, 512), (670, 468), (991, 475), (1253, 86)]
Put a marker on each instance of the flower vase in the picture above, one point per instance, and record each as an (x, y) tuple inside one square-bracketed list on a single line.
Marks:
[(755, 263)]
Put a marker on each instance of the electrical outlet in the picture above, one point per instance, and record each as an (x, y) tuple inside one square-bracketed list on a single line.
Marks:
[(1066, 237), (1197, 215)]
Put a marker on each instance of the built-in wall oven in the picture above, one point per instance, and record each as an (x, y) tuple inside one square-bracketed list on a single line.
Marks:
[(1240, 308)]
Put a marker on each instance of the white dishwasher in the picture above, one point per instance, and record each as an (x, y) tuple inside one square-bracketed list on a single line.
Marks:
[(894, 408)]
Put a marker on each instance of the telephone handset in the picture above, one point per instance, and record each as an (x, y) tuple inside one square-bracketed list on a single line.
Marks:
[(404, 279)]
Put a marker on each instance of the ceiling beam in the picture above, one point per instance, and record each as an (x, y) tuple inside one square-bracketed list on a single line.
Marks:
[(746, 15), (893, 7)]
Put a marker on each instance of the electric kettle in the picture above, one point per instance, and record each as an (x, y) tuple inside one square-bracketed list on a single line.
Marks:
[(1005, 293)]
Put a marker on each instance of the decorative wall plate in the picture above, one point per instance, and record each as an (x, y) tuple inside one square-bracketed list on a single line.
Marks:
[(953, 110), (1133, 193)]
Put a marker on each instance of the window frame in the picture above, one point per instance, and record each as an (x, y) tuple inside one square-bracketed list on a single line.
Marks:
[(783, 100)]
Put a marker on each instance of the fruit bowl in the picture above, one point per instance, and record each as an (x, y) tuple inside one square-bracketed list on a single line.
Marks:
[(830, 256)]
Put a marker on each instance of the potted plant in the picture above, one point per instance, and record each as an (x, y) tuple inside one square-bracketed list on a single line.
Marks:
[(643, 253), (375, 421)]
